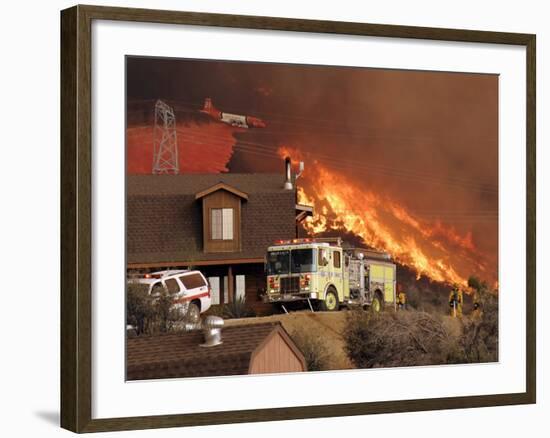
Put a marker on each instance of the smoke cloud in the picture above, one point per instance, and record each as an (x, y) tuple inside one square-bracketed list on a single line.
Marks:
[(428, 141)]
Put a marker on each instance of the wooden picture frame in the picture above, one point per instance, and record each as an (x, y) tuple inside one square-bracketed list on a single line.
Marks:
[(76, 218)]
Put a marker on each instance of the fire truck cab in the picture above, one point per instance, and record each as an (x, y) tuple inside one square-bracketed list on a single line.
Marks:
[(329, 275)]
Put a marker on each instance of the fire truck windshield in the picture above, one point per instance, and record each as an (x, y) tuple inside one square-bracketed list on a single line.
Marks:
[(278, 262), (301, 260), (285, 262)]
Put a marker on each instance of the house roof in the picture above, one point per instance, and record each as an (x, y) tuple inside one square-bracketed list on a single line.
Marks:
[(193, 183), (221, 186), (164, 220), (180, 355)]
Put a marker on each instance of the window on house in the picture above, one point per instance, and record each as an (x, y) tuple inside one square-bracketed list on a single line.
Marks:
[(221, 223)]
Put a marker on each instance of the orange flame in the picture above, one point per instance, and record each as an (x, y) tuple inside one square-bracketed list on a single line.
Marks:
[(431, 249)]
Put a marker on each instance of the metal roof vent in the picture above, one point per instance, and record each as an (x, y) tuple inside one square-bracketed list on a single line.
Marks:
[(288, 175), (211, 327)]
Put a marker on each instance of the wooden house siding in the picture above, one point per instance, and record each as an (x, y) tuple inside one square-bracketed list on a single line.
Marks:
[(276, 356), (221, 199)]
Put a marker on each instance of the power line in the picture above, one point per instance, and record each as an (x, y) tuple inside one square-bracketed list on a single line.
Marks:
[(318, 123), (334, 163), (266, 150), (346, 166), (254, 147)]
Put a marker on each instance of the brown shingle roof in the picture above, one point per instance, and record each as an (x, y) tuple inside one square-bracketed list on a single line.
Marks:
[(193, 183), (164, 221), (180, 355)]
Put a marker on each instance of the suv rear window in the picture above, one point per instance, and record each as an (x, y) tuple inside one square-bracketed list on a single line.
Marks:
[(192, 281)]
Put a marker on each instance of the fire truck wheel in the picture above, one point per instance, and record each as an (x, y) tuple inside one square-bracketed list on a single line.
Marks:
[(330, 303), (193, 312)]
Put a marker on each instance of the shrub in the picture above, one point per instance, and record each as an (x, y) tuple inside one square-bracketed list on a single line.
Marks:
[(139, 307), (479, 342), (475, 283), (413, 297), (238, 308), (216, 310), (436, 300), (314, 350), (396, 339), (152, 314), (166, 315)]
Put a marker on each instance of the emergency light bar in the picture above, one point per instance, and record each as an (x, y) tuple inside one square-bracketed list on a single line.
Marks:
[(290, 241)]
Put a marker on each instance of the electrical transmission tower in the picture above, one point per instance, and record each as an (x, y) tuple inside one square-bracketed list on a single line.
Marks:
[(165, 142)]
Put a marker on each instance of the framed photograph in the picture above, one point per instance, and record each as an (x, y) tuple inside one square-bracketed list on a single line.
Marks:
[(268, 219)]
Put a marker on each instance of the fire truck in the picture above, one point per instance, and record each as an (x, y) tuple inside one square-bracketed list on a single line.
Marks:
[(326, 274)]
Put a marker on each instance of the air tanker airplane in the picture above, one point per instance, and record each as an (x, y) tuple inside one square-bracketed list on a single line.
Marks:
[(231, 119)]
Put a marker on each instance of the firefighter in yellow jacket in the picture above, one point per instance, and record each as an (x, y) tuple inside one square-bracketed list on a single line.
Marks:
[(456, 299), (477, 312), (401, 298)]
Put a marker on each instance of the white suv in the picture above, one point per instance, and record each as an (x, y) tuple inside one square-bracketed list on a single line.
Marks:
[(190, 289)]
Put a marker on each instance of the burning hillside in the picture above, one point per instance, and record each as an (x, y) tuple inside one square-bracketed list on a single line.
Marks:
[(431, 248)]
